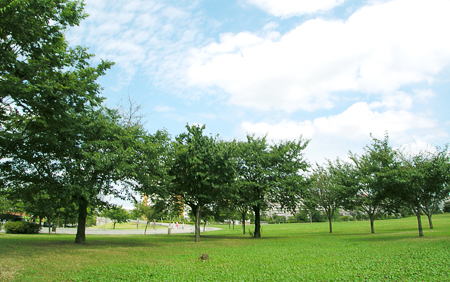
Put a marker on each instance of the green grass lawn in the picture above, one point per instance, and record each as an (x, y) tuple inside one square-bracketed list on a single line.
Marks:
[(287, 252)]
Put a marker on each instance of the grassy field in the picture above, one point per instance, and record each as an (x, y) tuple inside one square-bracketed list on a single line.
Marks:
[(287, 252), (127, 225)]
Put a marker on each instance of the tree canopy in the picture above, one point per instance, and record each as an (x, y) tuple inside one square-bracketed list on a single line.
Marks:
[(201, 170), (268, 174)]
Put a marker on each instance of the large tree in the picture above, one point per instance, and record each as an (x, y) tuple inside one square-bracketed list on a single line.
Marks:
[(201, 170), (370, 178), (268, 174), (54, 133), (43, 80)]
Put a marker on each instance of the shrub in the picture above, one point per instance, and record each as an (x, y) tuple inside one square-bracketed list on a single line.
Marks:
[(21, 227), (346, 218)]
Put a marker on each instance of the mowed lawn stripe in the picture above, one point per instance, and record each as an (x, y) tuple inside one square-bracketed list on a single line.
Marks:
[(289, 252)]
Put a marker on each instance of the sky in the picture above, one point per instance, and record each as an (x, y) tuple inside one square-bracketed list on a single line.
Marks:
[(330, 71)]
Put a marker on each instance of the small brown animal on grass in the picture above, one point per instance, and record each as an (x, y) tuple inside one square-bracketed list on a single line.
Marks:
[(204, 257)]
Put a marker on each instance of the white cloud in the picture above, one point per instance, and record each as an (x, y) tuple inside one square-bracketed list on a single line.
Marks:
[(379, 49), (335, 135), (424, 94), (148, 37), (355, 123), (289, 8), (286, 129), (396, 100)]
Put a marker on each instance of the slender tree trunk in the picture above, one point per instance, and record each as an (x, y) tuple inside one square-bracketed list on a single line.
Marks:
[(257, 211), (197, 223), (371, 218), (82, 215), (243, 221), (114, 225), (145, 231), (419, 221), (429, 220), (330, 216)]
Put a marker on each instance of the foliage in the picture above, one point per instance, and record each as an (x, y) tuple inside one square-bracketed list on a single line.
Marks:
[(421, 182), (49, 102), (370, 179), (117, 215), (150, 212), (21, 227), (268, 174), (306, 215), (446, 207), (325, 191), (201, 170)]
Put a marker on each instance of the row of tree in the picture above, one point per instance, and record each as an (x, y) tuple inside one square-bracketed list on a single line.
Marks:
[(382, 180), (60, 147)]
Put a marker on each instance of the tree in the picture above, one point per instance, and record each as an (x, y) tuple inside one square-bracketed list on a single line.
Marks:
[(105, 153), (423, 182), (369, 178), (49, 102), (324, 192), (42, 79), (201, 170), (268, 174), (150, 212), (117, 215)]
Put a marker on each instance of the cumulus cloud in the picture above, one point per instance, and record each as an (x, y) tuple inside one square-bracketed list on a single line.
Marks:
[(289, 8), (333, 136), (357, 122), (379, 49)]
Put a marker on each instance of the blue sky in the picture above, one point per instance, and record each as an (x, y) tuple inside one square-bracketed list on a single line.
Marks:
[(333, 71)]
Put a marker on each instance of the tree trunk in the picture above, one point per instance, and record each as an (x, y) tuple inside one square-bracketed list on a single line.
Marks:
[(82, 215), (329, 223), (419, 221), (257, 233), (197, 223), (145, 231), (371, 218), (429, 220), (114, 225), (243, 221), (330, 216)]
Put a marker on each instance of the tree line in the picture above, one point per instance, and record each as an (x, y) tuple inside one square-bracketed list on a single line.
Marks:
[(61, 147)]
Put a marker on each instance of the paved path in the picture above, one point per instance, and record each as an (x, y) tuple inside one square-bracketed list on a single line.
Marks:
[(150, 231)]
